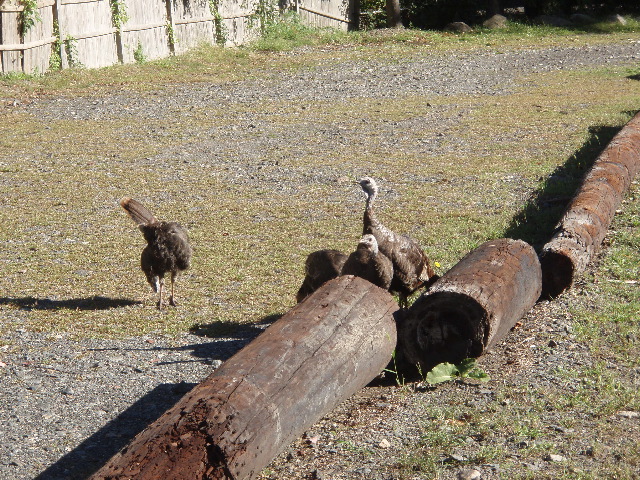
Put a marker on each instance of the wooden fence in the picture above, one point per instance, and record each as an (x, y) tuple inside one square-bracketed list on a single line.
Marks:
[(91, 33)]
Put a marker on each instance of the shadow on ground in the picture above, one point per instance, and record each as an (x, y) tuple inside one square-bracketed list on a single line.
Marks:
[(88, 303), (96, 450), (537, 221)]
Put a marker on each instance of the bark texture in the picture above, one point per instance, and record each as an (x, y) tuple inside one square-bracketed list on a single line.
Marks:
[(580, 232), (471, 307), (234, 423)]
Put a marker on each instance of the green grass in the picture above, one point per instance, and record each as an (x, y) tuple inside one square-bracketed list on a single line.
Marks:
[(250, 244)]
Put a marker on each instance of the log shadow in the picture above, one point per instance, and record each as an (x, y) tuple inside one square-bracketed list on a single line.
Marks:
[(95, 302), (223, 329), (230, 337), (95, 451), (536, 222)]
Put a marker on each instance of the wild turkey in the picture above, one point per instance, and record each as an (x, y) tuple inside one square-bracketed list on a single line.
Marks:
[(320, 267), (411, 266), (167, 251), (369, 263)]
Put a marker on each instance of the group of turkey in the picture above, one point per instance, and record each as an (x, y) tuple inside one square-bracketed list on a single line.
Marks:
[(390, 261)]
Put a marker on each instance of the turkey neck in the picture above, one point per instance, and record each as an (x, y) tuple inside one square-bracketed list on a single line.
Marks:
[(370, 221)]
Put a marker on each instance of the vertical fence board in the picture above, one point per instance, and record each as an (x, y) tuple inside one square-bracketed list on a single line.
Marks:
[(193, 24), (238, 24), (87, 33), (327, 13), (38, 41), (10, 36), (146, 31)]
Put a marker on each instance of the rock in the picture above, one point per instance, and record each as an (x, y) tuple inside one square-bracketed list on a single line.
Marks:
[(458, 27), (552, 21), (552, 457), (628, 414), (497, 21), (454, 457), (384, 443), (469, 474)]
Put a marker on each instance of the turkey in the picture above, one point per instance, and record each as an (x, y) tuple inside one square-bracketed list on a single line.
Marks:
[(320, 267), (369, 263), (411, 266), (168, 249)]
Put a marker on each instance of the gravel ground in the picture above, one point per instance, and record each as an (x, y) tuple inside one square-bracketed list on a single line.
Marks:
[(68, 405)]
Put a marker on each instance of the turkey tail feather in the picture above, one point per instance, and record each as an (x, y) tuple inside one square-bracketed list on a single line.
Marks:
[(138, 212)]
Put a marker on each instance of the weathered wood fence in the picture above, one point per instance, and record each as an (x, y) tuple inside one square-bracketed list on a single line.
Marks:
[(99, 33)]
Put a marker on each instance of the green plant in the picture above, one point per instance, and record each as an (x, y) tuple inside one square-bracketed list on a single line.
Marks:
[(119, 14), (222, 33), (265, 15), (55, 60), (171, 34), (71, 49), (400, 381), (138, 54), (446, 371), (29, 15)]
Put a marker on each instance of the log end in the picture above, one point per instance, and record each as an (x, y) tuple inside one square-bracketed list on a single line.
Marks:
[(557, 273), (440, 327)]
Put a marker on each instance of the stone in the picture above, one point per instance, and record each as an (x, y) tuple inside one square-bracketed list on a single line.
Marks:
[(552, 457), (458, 27), (469, 474), (384, 443), (628, 414), (495, 22)]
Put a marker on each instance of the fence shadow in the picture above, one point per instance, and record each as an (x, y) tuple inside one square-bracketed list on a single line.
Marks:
[(88, 303), (95, 451), (536, 222)]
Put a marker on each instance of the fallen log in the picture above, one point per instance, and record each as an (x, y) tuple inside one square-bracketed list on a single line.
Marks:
[(582, 228), (470, 308), (236, 421)]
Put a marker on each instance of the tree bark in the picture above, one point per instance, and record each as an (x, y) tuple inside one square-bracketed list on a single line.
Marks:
[(236, 421), (471, 307), (582, 228), (494, 7), (394, 14)]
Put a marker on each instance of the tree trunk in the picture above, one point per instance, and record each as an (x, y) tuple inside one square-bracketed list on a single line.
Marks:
[(471, 307), (394, 14), (493, 8), (236, 421), (584, 225)]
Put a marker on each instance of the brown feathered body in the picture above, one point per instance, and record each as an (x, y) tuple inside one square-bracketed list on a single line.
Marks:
[(168, 250), (411, 266), (320, 267), (369, 263)]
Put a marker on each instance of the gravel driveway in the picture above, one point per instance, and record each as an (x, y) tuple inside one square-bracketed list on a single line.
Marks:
[(67, 405)]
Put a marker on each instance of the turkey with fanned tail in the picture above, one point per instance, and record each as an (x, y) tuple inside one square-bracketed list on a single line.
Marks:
[(168, 249)]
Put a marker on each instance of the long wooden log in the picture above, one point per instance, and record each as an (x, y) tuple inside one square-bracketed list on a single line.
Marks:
[(471, 307), (582, 228), (236, 421)]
